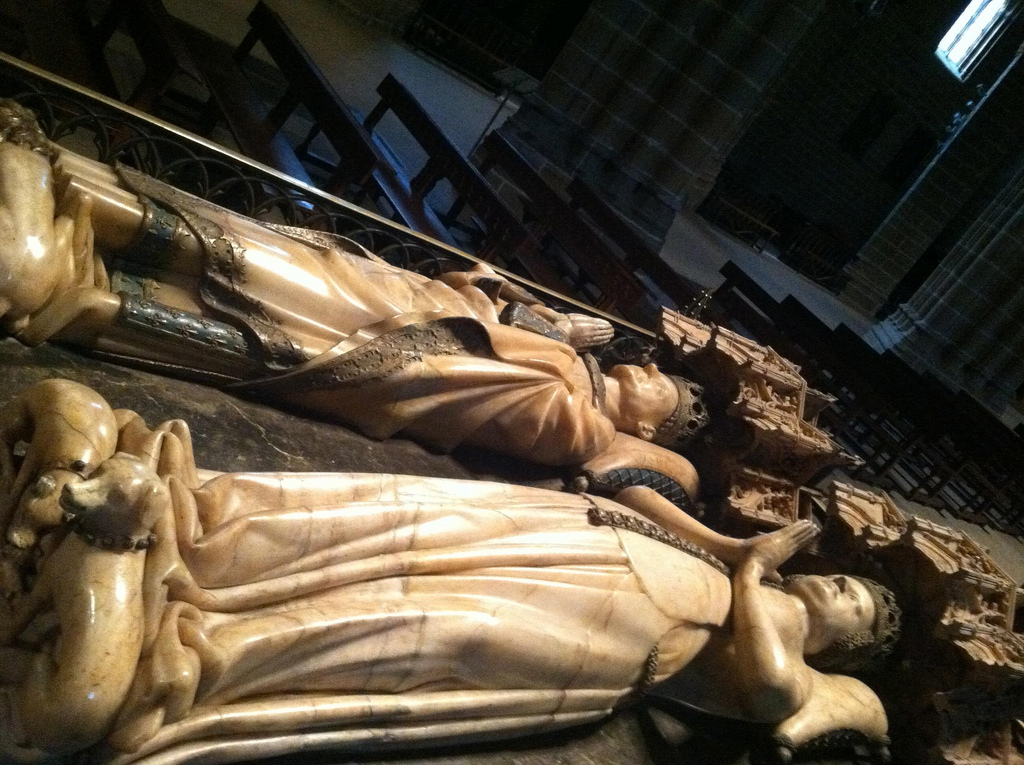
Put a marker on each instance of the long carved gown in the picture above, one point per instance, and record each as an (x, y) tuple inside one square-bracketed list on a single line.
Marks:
[(290, 611), (350, 338)]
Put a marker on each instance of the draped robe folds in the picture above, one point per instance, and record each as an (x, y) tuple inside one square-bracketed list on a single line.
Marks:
[(296, 611), (327, 299), (520, 394)]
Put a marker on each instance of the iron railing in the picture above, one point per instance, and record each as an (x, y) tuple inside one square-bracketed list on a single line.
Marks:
[(108, 131)]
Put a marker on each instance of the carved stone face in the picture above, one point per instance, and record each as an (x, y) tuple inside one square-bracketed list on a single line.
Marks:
[(837, 606), (646, 399)]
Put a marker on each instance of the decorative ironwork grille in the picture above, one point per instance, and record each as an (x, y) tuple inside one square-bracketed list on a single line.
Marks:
[(110, 132)]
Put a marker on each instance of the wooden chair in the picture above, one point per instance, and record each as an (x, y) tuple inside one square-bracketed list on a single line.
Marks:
[(163, 52), (617, 287), (234, 99), (502, 232), (309, 87), (58, 37), (639, 255), (362, 169), (173, 50)]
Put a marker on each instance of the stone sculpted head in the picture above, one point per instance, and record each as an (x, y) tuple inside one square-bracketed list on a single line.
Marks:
[(39, 508), (117, 507), (853, 622), (657, 407), (689, 416)]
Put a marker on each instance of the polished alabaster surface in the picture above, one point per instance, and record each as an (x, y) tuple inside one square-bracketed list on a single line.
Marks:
[(119, 263), (236, 615)]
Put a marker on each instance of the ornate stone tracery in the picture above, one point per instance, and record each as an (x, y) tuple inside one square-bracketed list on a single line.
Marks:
[(966, 603), (784, 448), (762, 499), (964, 664)]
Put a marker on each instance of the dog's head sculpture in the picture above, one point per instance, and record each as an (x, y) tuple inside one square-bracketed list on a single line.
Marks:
[(117, 507), (39, 509)]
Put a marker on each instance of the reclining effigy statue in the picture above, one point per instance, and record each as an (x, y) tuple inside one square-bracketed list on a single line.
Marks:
[(177, 613), (128, 267)]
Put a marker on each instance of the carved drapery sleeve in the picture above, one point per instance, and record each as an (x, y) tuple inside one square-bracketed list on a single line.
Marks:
[(452, 380)]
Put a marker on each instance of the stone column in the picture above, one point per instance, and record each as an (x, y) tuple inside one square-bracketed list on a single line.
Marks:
[(649, 96), (966, 323), (988, 137)]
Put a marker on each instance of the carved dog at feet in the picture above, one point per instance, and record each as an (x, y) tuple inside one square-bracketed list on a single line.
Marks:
[(70, 694), (70, 430)]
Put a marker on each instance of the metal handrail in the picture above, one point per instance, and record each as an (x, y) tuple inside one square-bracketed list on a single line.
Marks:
[(197, 165)]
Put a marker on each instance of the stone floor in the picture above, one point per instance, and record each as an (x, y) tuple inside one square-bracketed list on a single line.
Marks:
[(697, 249), (228, 434)]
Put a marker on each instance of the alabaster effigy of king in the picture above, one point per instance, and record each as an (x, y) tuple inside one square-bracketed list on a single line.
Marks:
[(172, 614), (125, 266)]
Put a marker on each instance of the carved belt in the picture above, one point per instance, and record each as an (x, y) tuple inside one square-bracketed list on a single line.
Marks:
[(597, 386), (600, 517), (383, 356)]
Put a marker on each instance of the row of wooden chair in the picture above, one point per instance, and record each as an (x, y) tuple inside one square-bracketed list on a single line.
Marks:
[(569, 241), (603, 255)]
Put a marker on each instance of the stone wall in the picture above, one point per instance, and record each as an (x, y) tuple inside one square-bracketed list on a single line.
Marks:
[(858, 93), (390, 15), (649, 96), (932, 203), (966, 323)]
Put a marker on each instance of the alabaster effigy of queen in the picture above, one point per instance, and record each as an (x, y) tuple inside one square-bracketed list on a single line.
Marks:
[(172, 614), (136, 271)]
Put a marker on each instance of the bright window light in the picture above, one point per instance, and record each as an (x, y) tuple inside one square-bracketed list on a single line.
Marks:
[(971, 35)]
